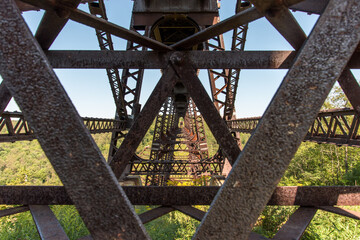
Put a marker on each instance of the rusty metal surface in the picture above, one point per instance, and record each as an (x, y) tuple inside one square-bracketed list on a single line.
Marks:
[(51, 25), (315, 196), (12, 211), (99, 23), (5, 97), (284, 22), (34, 195), (295, 227), (102, 204), (171, 6), (283, 196), (14, 127), (241, 18), (46, 223), (341, 211), (155, 213), (159, 60), (310, 6), (142, 123), (267, 154)]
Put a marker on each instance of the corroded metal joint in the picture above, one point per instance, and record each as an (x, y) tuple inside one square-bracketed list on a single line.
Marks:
[(177, 58)]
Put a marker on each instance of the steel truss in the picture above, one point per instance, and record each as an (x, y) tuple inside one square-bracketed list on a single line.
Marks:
[(126, 90), (171, 142), (131, 80), (336, 126), (14, 127), (106, 44), (91, 186)]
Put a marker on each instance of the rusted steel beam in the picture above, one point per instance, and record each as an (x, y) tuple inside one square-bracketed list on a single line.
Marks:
[(5, 97), (142, 123), (89, 182), (295, 227), (14, 127), (310, 6), (139, 195), (159, 60), (341, 211), (51, 25), (191, 211), (286, 121), (12, 211), (155, 213), (351, 88), (228, 24), (46, 223), (202, 100), (284, 22), (98, 23)]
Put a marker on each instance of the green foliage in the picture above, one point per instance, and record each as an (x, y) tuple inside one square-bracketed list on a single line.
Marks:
[(24, 163), (323, 165), (327, 225), (213, 146), (178, 225), (271, 220), (22, 226)]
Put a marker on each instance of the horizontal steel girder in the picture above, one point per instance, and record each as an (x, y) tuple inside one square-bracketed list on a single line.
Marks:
[(160, 60), (282, 196)]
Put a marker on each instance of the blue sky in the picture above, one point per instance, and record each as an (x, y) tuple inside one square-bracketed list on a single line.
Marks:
[(90, 90)]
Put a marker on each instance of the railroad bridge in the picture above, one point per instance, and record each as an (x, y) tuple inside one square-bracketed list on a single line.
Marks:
[(179, 37)]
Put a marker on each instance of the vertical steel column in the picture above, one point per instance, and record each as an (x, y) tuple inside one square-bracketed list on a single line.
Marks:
[(224, 95), (131, 94), (215, 75), (238, 44), (106, 44)]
